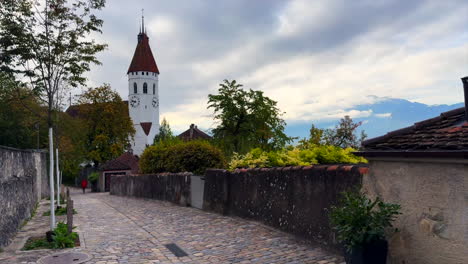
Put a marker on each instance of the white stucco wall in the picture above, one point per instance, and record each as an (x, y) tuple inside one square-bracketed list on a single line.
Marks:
[(145, 111), (433, 195)]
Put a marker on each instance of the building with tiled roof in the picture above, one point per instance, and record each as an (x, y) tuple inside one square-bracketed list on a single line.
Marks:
[(442, 136), (193, 133), (143, 59), (424, 168), (143, 93), (125, 164)]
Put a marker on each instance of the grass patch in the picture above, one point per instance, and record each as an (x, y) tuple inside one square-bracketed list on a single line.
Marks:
[(61, 239), (37, 243), (60, 211)]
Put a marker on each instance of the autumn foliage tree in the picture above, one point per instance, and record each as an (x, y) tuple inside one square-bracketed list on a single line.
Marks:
[(109, 127)]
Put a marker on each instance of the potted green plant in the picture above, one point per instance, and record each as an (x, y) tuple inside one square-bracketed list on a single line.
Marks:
[(361, 224)]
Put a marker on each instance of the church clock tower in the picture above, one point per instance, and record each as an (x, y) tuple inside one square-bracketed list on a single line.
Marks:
[(143, 96)]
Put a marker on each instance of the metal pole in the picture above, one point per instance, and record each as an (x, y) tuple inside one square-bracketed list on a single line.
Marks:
[(51, 178), (58, 177)]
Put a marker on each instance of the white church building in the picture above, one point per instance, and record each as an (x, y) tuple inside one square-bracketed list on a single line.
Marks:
[(143, 96)]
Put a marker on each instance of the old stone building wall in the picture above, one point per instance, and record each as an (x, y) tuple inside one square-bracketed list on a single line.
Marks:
[(23, 182), (433, 195)]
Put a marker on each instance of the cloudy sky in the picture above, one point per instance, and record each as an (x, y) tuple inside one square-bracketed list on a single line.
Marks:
[(318, 59)]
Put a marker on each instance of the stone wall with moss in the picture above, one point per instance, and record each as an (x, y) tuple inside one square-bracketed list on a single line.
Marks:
[(23, 182), (293, 199)]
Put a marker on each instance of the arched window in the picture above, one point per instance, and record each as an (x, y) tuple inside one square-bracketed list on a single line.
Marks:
[(135, 89), (145, 88), (154, 88)]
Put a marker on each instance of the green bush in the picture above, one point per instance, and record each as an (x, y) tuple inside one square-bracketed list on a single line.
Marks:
[(61, 238), (192, 156), (258, 158), (93, 177), (359, 220), (154, 158)]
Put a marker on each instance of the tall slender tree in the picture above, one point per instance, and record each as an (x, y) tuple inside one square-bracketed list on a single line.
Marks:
[(46, 45)]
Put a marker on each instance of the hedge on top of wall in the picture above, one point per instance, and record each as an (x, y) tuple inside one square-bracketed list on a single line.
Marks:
[(294, 156), (191, 156)]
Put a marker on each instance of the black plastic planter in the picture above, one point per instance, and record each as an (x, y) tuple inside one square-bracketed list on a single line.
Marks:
[(374, 252)]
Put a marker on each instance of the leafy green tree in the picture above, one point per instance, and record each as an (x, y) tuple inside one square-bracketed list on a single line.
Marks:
[(246, 119), (165, 136), (71, 138), (344, 134), (46, 45), (22, 117), (109, 127), (315, 138)]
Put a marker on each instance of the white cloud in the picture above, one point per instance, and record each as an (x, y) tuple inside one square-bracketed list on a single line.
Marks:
[(383, 115), (316, 58)]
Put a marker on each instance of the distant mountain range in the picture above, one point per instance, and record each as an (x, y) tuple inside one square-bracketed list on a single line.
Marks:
[(387, 114)]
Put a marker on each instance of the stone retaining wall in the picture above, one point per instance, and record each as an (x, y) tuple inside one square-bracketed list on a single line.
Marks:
[(173, 187), (293, 199), (23, 182)]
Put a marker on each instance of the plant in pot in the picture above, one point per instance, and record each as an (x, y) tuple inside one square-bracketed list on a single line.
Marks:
[(361, 225)]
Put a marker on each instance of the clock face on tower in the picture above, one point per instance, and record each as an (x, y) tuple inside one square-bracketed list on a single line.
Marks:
[(155, 102), (134, 101)]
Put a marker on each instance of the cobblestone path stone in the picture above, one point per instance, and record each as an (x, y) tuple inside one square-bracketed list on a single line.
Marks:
[(128, 230)]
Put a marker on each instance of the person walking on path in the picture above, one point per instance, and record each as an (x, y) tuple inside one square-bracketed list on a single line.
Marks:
[(84, 184)]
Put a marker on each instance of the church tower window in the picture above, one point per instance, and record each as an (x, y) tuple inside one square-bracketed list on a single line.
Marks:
[(135, 89), (145, 88), (154, 88)]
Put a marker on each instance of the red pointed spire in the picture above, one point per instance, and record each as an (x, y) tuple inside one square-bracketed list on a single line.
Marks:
[(143, 59)]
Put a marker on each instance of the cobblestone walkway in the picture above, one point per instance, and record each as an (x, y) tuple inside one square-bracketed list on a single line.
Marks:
[(128, 230)]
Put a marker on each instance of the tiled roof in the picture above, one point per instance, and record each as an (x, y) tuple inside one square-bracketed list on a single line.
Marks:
[(193, 133), (445, 133), (126, 161), (143, 59), (78, 110)]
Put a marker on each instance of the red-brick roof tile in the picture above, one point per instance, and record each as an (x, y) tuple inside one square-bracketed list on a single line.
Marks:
[(445, 133), (126, 161), (143, 59)]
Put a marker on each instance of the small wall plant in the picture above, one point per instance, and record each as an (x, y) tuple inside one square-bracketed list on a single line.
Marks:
[(358, 220), (60, 239)]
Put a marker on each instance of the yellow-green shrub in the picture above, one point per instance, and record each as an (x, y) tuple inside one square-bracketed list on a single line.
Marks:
[(257, 158)]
